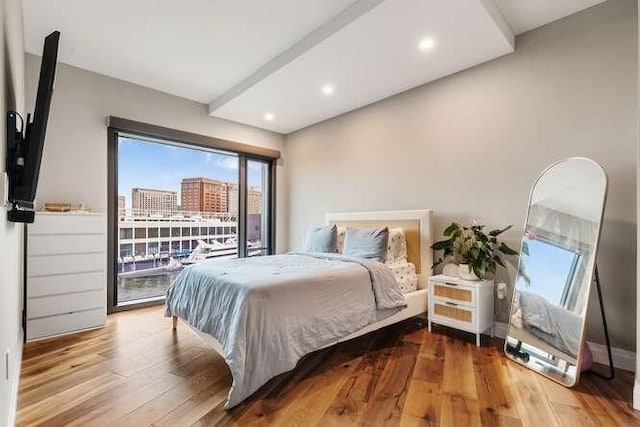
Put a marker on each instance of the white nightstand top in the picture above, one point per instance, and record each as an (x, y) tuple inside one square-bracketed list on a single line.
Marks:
[(459, 281)]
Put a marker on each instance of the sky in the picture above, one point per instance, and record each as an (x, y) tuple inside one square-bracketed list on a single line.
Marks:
[(549, 267), (162, 166)]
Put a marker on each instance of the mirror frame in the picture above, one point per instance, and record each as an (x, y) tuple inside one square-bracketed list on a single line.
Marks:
[(590, 271)]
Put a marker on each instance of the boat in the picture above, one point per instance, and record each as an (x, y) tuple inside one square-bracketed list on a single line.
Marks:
[(217, 250), (173, 265)]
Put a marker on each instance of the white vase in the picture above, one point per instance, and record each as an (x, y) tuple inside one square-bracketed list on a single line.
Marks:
[(466, 272), (451, 270)]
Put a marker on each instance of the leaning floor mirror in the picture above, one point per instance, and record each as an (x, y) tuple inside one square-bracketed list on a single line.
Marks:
[(557, 261)]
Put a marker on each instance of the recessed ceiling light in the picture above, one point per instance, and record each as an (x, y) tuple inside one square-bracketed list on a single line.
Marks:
[(426, 43), (269, 117), (327, 90)]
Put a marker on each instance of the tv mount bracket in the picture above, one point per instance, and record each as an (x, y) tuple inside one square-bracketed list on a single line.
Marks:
[(21, 210)]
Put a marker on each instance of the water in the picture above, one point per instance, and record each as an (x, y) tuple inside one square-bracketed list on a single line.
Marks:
[(133, 288)]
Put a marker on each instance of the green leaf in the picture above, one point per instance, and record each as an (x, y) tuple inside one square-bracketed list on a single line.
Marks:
[(451, 228), (443, 244), (497, 232), (491, 267), (497, 259), (506, 249)]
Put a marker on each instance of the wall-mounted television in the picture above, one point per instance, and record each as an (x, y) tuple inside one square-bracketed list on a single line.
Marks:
[(25, 143)]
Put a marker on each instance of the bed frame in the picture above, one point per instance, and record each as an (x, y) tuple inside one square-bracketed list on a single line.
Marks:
[(418, 229)]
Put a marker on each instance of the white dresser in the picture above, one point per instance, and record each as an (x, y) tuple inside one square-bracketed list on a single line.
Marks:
[(461, 304), (66, 273)]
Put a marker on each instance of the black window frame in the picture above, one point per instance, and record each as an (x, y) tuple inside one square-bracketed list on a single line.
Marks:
[(123, 127)]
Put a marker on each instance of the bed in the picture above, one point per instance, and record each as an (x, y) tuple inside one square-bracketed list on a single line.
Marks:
[(547, 326), (263, 314)]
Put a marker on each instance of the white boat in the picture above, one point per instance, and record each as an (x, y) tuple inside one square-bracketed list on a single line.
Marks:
[(226, 250), (173, 265)]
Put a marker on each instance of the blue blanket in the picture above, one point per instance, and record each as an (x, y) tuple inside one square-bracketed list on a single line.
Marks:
[(268, 312)]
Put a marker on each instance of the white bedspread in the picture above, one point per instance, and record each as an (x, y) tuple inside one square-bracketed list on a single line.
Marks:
[(268, 312)]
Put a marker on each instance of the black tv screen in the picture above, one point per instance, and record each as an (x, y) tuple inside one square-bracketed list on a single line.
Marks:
[(36, 130)]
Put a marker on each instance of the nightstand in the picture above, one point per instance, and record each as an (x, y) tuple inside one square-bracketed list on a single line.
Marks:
[(461, 304)]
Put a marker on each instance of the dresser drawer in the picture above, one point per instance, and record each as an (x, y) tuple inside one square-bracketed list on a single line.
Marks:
[(65, 284), (48, 265), (46, 223), (53, 244), (459, 294), (450, 313), (65, 323), (65, 303)]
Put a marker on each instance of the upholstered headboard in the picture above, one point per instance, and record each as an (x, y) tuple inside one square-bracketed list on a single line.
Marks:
[(416, 224)]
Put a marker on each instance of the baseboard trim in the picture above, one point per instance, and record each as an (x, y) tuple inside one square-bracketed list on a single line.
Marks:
[(13, 406), (500, 329), (622, 359)]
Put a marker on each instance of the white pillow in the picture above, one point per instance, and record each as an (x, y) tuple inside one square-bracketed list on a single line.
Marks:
[(397, 246)]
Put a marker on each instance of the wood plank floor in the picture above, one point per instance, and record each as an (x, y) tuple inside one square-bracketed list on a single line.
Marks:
[(137, 372)]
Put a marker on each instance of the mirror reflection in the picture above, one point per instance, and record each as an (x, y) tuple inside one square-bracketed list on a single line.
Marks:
[(546, 323)]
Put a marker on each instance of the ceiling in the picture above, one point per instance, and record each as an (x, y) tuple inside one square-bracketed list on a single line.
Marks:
[(284, 64)]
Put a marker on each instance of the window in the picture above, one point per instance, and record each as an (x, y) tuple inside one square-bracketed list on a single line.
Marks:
[(258, 215), (126, 233), (180, 198), (126, 250), (549, 280)]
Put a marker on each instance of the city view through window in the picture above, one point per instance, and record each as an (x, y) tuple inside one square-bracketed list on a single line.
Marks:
[(178, 206)]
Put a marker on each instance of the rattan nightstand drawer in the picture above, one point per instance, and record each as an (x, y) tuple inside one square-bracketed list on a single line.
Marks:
[(453, 312), (461, 304), (455, 293)]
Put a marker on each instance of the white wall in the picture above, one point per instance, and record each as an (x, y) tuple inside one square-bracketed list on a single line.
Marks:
[(74, 162), (471, 145), (11, 97), (636, 389)]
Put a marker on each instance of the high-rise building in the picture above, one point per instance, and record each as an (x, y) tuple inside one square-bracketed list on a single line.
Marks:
[(149, 201), (232, 198), (204, 195), (121, 206), (254, 200)]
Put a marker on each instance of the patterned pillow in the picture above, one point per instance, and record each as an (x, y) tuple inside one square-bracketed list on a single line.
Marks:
[(405, 275), (397, 246), (340, 239)]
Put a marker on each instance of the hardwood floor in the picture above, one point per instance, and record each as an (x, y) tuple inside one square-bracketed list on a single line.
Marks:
[(136, 371)]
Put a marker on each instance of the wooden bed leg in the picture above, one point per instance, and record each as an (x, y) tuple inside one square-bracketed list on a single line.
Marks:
[(175, 322)]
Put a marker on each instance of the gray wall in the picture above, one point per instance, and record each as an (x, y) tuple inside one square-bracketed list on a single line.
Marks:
[(471, 145), (11, 97), (74, 162), (636, 390)]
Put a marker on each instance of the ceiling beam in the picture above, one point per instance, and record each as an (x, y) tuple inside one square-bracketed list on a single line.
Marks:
[(498, 18), (326, 30)]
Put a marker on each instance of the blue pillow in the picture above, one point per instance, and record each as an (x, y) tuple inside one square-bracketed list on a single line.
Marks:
[(321, 238), (369, 243)]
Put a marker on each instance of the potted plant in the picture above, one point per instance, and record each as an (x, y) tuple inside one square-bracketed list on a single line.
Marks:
[(477, 253)]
